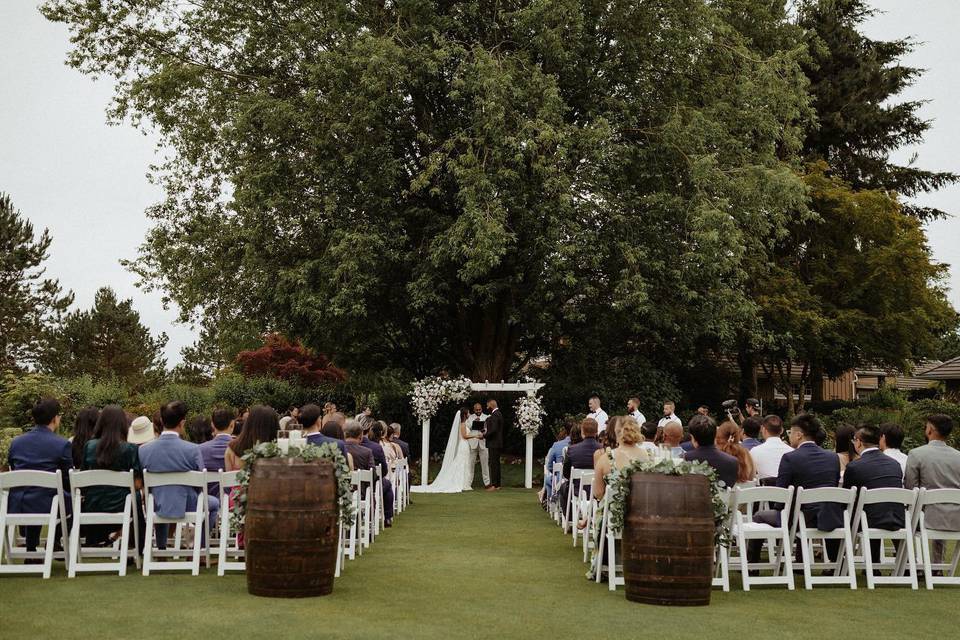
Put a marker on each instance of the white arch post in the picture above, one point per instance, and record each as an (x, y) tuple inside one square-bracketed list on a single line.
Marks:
[(530, 388)]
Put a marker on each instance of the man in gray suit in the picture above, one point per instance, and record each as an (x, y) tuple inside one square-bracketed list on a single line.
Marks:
[(936, 465), (168, 453)]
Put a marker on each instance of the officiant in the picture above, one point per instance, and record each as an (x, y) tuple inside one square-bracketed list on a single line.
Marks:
[(477, 446)]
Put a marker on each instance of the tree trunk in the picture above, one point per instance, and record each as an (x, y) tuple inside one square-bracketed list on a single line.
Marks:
[(816, 384), (747, 362), (487, 342)]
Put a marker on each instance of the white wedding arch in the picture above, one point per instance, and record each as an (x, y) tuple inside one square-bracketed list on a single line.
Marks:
[(430, 393)]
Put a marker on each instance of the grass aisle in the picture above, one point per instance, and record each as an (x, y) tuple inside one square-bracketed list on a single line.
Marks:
[(474, 565)]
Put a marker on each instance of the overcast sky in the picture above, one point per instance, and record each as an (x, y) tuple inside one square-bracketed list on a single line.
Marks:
[(68, 171)]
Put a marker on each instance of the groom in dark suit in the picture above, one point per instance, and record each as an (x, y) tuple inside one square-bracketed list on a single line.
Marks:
[(493, 437)]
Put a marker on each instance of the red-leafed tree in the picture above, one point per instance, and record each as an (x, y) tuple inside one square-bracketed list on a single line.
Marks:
[(289, 360)]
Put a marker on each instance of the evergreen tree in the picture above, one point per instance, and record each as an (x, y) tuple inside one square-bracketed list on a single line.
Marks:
[(29, 303), (855, 81), (107, 341)]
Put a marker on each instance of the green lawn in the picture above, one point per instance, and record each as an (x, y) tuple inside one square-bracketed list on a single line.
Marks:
[(473, 565)]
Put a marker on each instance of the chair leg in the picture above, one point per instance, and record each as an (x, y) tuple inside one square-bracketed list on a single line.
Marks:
[(911, 560), (848, 546), (806, 553), (786, 558), (74, 552), (124, 543), (744, 569), (48, 555), (612, 562), (867, 558)]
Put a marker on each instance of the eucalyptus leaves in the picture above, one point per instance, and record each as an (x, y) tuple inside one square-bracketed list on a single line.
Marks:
[(429, 393), (308, 453), (618, 484)]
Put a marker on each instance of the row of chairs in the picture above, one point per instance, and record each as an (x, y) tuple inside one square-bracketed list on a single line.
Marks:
[(224, 539), (911, 546)]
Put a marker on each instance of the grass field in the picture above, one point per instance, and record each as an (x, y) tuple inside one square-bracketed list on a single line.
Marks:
[(476, 565)]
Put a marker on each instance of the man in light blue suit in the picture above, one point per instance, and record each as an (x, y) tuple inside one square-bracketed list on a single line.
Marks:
[(169, 453)]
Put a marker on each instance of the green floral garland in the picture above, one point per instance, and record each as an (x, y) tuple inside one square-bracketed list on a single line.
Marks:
[(327, 451), (618, 483)]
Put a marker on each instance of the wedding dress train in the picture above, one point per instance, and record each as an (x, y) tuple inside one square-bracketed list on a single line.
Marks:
[(453, 471)]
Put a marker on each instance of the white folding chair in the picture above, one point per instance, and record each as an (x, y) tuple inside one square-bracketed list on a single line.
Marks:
[(721, 553), (230, 557), (581, 500), (778, 539), (843, 572), (927, 536), (121, 549), (608, 540), (198, 518), (378, 512), (556, 479), (363, 479), (57, 514), (573, 490), (351, 535), (399, 485), (904, 557)]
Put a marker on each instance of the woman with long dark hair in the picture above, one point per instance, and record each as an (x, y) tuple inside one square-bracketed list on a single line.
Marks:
[(84, 430), (109, 451), (199, 429), (843, 445), (261, 425)]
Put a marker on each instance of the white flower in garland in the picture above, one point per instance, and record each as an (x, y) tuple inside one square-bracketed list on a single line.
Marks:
[(529, 413), (429, 393)]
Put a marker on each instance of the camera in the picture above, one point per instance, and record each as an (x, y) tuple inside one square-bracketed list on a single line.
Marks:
[(733, 411)]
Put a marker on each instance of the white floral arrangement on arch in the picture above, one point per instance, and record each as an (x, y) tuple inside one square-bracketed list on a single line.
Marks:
[(529, 412), (428, 394)]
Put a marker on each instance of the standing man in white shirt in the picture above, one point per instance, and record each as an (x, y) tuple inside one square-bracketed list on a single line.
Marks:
[(668, 415), (597, 413), (633, 409), (478, 448), (766, 456), (891, 439)]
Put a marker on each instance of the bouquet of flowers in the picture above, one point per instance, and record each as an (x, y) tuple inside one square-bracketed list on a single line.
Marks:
[(429, 393), (529, 414)]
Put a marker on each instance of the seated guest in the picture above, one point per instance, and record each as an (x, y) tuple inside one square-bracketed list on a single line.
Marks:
[(873, 470), (580, 455), (935, 465), (686, 442), (703, 431), (213, 451), (811, 467), (157, 423), (728, 441), (403, 453), (766, 456), (751, 432), (333, 430), (629, 439), (843, 445), (380, 432), (168, 453), (353, 437), (110, 451), (672, 436), (891, 439), (141, 431), (199, 429), (84, 430), (310, 415), (650, 433), (380, 457), (607, 439), (40, 449), (553, 456), (261, 425), (335, 417), (396, 438)]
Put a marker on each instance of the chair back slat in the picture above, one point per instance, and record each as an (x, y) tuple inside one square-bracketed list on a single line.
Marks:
[(753, 495), (906, 497), (826, 494), (940, 496), (153, 479), (100, 478), (31, 478), (229, 479)]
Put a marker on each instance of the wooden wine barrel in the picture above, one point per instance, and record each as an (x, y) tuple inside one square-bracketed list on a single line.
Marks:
[(668, 540), (291, 529)]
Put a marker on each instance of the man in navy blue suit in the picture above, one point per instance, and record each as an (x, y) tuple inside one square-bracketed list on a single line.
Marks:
[(310, 415), (874, 470), (39, 449), (404, 446), (580, 455), (808, 466), (703, 432)]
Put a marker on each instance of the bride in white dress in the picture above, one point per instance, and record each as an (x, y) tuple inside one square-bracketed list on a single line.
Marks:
[(454, 475)]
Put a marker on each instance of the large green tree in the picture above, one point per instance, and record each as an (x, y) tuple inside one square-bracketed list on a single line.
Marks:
[(855, 82), (107, 341), (29, 302), (455, 185)]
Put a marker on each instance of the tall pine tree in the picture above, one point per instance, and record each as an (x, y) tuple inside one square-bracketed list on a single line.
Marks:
[(29, 303), (107, 341), (855, 81)]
